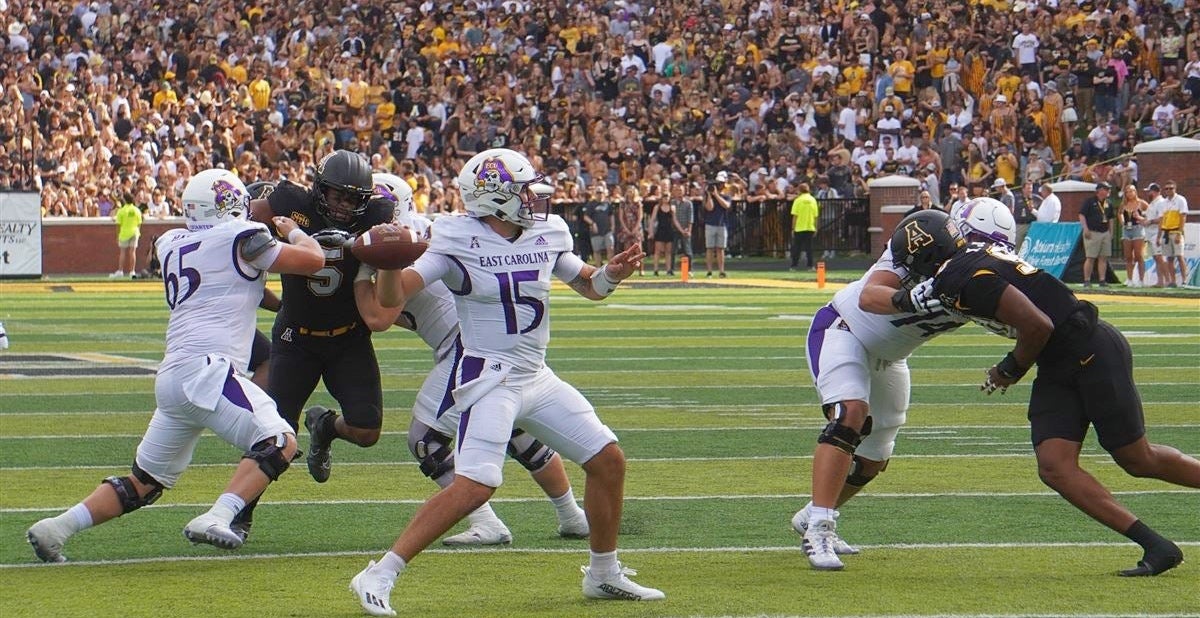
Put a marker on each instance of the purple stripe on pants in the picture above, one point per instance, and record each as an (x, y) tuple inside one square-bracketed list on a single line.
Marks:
[(472, 366), (448, 394), (816, 335), (234, 393)]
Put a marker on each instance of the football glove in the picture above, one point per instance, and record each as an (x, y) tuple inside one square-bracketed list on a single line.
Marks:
[(333, 237), (919, 300)]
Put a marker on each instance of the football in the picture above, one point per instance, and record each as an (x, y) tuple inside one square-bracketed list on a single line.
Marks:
[(388, 248)]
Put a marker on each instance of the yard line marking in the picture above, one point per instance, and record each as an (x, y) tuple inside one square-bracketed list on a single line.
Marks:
[(916, 432), (564, 550), (691, 408), (961, 616), (695, 498)]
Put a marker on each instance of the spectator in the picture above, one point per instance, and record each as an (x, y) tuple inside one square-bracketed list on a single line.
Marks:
[(1174, 209), (129, 229), (804, 226), (1153, 235), (716, 215), (1050, 208), (1025, 208), (1095, 217), (1132, 215)]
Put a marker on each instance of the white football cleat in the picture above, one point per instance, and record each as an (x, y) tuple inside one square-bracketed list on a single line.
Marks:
[(47, 538), (618, 587), (490, 533), (818, 545), (574, 527), (374, 591), (840, 547), (210, 530)]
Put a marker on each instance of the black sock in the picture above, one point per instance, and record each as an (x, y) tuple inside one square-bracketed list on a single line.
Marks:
[(328, 425), (1142, 535)]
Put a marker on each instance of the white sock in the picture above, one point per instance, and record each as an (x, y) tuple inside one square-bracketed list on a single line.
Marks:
[(391, 564), (482, 515), (808, 509), (603, 564), (228, 506), (565, 505), (820, 513), (75, 518)]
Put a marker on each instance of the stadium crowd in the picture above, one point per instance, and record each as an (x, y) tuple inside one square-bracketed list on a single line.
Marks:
[(110, 102)]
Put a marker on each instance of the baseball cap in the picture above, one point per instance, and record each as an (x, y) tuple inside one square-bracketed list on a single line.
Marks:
[(722, 176), (869, 144), (999, 182), (1152, 187), (1001, 98), (1103, 185)]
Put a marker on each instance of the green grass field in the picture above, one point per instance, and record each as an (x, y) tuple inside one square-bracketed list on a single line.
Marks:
[(708, 390)]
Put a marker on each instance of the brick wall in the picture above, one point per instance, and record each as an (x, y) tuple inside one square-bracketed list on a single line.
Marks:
[(889, 191), (89, 246)]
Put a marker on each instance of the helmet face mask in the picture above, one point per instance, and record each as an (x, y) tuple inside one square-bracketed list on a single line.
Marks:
[(213, 197), (923, 242), (502, 183)]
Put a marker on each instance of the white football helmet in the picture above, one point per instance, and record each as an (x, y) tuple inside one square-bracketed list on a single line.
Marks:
[(984, 219), (398, 191), (502, 183), (213, 197)]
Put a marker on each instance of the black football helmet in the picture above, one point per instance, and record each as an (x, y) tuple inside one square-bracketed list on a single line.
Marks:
[(342, 187), (260, 189), (923, 241)]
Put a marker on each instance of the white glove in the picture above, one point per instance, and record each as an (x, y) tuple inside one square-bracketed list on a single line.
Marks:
[(919, 300)]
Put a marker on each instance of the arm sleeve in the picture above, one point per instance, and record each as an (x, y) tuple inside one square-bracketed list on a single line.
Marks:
[(435, 266), (568, 266), (259, 249)]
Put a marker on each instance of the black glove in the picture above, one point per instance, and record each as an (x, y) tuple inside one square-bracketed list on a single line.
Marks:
[(333, 237)]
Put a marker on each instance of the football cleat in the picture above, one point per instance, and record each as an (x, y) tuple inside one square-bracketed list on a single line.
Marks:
[(818, 545), (1156, 560), (574, 527), (241, 529), (318, 459), (489, 533), (618, 587), (47, 538), (374, 591), (840, 547), (210, 530)]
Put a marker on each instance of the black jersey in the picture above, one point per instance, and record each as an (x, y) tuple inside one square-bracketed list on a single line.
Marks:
[(972, 282), (325, 300)]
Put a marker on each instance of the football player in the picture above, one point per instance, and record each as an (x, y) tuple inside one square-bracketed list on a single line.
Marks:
[(498, 263), (430, 314), (859, 362), (212, 299), (260, 350), (323, 329), (1084, 378)]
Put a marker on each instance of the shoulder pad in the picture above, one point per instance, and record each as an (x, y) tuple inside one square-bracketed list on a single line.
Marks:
[(254, 242), (451, 231), (557, 233)]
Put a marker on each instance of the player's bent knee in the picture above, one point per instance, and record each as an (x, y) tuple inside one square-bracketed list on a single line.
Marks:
[(838, 433), (431, 450), (130, 497), (272, 455), (610, 461), (529, 452), (481, 480)]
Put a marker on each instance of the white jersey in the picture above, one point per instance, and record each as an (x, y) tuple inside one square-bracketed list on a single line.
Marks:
[(890, 337), (430, 313), (212, 291), (501, 289)]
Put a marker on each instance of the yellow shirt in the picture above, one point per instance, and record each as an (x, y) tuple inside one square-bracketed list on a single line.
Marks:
[(902, 83), (937, 62), (238, 74), (163, 96), (855, 75), (356, 94), (570, 37), (129, 222), (804, 213), (1006, 168), (384, 114), (1008, 85)]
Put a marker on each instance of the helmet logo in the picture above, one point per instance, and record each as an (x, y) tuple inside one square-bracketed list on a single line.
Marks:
[(493, 177), (916, 237), (227, 197)]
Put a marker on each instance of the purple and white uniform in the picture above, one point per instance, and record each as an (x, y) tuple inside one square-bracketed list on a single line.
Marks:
[(853, 354), (213, 294)]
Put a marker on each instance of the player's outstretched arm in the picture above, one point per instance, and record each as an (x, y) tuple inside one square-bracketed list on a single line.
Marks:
[(393, 288), (1033, 331), (377, 317), (597, 283), (301, 256)]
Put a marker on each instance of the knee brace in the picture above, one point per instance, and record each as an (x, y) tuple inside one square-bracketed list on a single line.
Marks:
[(528, 451), (432, 450), (127, 492), (269, 456), (839, 435), (857, 478)]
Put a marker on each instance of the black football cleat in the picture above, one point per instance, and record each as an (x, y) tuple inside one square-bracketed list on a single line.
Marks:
[(1156, 560), (318, 445)]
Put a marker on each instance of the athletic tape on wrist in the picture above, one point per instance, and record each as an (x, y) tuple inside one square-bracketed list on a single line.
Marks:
[(292, 235), (601, 283)]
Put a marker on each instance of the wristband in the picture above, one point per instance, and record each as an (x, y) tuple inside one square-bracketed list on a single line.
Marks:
[(1009, 368), (293, 234), (601, 283), (903, 302)]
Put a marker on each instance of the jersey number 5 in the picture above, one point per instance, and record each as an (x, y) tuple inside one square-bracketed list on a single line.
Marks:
[(510, 297), (171, 276)]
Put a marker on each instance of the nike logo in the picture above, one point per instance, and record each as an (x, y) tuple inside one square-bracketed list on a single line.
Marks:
[(1083, 362)]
